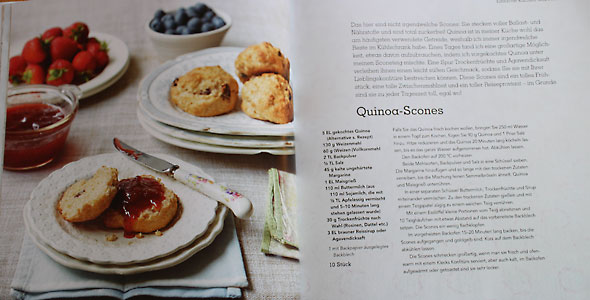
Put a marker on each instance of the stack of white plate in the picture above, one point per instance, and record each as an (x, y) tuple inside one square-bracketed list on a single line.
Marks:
[(233, 133), (86, 246)]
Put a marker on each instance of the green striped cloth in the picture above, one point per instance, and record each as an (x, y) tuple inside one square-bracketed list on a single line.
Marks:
[(280, 236)]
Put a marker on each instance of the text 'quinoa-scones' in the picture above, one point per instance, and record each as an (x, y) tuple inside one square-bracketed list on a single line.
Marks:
[(268, 97), (259, 59), (205, 91), (86, 199)]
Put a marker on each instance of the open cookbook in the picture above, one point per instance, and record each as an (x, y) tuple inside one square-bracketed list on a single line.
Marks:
[(439, 148)]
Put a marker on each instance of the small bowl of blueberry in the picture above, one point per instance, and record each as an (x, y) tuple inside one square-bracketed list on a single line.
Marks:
[(187, 29)]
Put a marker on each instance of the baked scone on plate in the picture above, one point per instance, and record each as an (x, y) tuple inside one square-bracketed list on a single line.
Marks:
[(259, 59), (268, 97), (143, 204), (86, 199), (205, 91)]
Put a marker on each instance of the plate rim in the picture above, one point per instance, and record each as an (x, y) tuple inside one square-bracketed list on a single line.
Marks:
[(192, 145), (172, 131)]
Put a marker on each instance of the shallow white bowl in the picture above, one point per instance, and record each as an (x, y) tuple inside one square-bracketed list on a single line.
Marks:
[(170, 46)]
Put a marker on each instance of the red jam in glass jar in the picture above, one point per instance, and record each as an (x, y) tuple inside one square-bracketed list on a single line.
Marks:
[(38, 120), (32, 116), (30, 139)]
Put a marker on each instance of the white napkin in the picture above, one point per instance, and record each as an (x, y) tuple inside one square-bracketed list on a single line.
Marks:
[(216, 271)]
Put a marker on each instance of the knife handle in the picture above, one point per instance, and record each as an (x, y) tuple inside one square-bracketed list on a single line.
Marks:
[(240, 205)]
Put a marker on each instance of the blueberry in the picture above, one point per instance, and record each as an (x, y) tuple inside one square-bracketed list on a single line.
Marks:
[(167, 17), (159, 14), (217, 22), (207, 27), (180, 17), (170, 31), (191, 12), (208, 16), (169, 24), (201, 8), (157, 25), (194, 25), (182, 30)]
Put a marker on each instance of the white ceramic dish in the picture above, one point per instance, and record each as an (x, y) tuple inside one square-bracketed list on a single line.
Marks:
[(115, 69), (170, 46), (168, 261), (212, 148), (87, 241), (154, 89), (239, 141)]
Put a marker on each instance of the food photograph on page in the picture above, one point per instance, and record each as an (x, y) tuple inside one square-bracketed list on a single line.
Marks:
[(148, 154)]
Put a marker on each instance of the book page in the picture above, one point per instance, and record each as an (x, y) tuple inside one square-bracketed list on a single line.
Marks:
[(442, 149)]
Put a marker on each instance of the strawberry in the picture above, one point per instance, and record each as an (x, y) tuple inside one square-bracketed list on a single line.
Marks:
[(94, 45), (85, 65), (16, 68), (34, 74), (102, 59), (50, 34), (34, 52), (92, 40), (63, 48), (60, 72), (77, 32), (99, 50)]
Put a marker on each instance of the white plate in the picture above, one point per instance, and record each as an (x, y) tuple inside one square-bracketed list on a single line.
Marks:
[(118, 64), (212, 148), (240, 141), (88, 242), (168, 261), (154, 89)]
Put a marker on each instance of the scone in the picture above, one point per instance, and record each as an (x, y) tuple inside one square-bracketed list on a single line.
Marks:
[(143, 204), (259, 59), (268, 97), (205, 91), (88, 198)]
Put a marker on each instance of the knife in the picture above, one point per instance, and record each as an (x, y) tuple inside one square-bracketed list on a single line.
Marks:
[(240, 205)]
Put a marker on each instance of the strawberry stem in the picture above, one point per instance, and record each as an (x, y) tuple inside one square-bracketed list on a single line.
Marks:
[(27, 76), (56, 73)]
